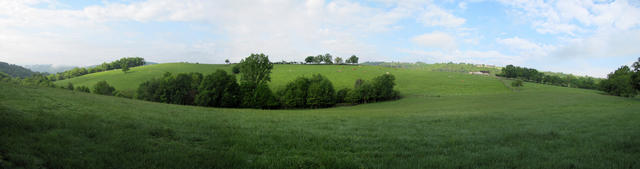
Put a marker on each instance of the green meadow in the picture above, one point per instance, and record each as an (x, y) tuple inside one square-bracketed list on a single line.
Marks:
[(415, 81), (444, 120)]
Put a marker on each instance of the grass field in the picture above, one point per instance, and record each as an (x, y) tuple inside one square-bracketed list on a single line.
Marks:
[(445, 120), (409, 81)]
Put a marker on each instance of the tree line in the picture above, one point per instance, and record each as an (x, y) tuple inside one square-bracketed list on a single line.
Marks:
[(328, 59), (123, 63), (220, 89), (533, 75), (623, 82)]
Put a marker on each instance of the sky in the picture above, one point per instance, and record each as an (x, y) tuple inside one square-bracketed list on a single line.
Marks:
[(573, 36)]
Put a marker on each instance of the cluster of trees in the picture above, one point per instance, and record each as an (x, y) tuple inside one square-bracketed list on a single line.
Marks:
[(218, 89), (327, 59), (221, 89), (123, 63), (533, 75), (102, 88), (623, 82)]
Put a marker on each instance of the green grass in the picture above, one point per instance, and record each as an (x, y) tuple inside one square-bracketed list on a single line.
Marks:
[(446, 120), (409, 81)]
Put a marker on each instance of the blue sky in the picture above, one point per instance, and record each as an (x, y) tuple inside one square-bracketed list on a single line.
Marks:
[(573, 36)]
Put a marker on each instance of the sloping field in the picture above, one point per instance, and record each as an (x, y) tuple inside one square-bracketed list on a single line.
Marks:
[(446, 120), (409, 81)]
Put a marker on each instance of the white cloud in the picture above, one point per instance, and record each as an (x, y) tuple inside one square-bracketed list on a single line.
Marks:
[(527, 48), (436, 16), (438, 40), (282, 29), (609, 44), (577, 16)]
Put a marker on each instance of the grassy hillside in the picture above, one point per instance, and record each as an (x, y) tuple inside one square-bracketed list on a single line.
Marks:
[(410, 81), (537, 127)]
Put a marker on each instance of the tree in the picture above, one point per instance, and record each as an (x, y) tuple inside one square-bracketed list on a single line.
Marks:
[(257, 96), (103, 88), (619, 83), (341, 95), (218, 90), (353, 59), (235, 69), (338, 60), (321, 92), (318, 59), (383, 87), (125, 68), (256, 69), (309, 59), (635, 78), (294, 95), (226, 61), (327, 59)]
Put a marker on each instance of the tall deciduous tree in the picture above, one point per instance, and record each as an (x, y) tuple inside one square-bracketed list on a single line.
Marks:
[(327, 59), (353, 59), (309, 59), (338, 60), (635, 78), (619, 83), (256, 69)]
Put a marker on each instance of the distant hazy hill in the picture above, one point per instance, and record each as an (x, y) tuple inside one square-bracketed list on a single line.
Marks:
[(15, 70), (49, 68)]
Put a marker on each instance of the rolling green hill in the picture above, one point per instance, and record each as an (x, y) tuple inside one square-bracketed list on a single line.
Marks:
[(445, 120), (409, 81)]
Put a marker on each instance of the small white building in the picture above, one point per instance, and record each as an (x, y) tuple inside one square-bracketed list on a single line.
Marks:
[(479, 73)]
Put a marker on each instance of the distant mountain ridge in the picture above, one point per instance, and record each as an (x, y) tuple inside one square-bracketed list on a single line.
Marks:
[(48, 68)]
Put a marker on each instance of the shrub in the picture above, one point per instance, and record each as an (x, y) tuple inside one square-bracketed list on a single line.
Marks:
[(294, 95), (103, 88), (341, 95), (516, 83), (258, 96), (383, 87), (321, 92), (150, 90), (619, 83), (83, 89), (69, 86), (235, 69), (218, 90)]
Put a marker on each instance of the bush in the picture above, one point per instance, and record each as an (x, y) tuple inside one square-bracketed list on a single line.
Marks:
[(516, 83), (321, 92), (83, 89), (380, 89), (179, 89), (258, 96), (218, 90), (150, 90), (619, 83), (69, 86), (294, 95), (103, 88), (341, 95), (235, 69), (383, 87)]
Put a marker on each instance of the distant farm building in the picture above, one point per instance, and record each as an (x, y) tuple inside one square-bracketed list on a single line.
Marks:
[(486, 73)]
